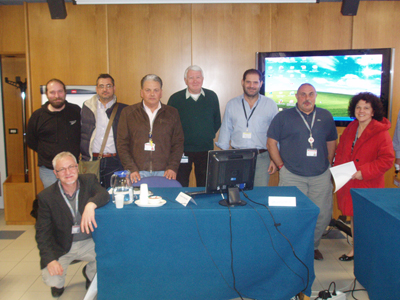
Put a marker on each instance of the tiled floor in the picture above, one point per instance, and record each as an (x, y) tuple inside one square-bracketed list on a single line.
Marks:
[(20, 277)]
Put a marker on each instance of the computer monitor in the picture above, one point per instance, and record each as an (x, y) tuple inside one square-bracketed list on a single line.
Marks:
[(231, 170)]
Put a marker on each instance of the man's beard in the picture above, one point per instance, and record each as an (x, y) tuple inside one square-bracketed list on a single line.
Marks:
[(251, 95), (57, 105)]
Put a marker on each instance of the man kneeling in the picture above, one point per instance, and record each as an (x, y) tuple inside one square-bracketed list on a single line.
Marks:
[(66, 221)]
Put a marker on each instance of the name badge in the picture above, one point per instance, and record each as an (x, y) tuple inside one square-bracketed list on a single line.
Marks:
[(76, 229), (149, 147), (246, 135), (184, 159), (312, 152)]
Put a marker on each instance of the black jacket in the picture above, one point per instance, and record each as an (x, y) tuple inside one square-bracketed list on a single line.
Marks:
[(50, 133), (54, 223)]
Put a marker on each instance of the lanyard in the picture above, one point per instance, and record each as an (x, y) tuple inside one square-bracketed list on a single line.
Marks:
[(245, 114), (310, 139), (74, 213)]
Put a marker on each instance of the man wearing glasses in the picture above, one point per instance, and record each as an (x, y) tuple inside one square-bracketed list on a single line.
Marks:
[(96, 113), (66, 220)]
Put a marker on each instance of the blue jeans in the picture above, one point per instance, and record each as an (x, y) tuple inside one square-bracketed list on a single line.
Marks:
[(47, 176), (148, 174), (108, 165)]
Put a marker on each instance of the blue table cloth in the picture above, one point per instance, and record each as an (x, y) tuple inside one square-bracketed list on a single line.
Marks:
[(377, 242), (177, 252)]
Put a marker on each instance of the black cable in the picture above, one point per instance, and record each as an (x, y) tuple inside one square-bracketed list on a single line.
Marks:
[(209, 254), (231, 248), (354, 289), (334, 288), (276, 227)]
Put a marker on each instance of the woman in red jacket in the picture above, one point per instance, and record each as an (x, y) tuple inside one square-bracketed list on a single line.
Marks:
[(366, 142)]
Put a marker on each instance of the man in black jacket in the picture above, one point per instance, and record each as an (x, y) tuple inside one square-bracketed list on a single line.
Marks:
[(66, 219), (53, 128)]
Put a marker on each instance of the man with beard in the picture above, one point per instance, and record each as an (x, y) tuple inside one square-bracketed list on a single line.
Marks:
[(96, 113), (53, 128), (245, 124), (307, 142)]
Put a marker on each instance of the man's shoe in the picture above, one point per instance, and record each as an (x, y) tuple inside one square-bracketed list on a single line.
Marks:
[(88, 282), (344, 257), (56, 292), (318, 255)]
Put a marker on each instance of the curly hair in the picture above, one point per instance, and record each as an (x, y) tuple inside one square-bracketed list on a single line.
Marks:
[(370, 98)]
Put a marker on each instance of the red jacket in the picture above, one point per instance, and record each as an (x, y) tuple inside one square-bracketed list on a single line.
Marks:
[(373, 155)]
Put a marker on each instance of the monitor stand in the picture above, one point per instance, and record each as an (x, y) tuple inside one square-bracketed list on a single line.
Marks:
[(233, 198)]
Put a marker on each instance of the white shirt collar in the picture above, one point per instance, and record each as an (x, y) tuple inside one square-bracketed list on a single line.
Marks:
[(189, 95), (108, 105)]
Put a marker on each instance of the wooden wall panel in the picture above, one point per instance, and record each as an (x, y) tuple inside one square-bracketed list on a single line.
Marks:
[(299, 27), (225, 40), (13, 66), (12, 28), (376, 26), (73, 50), (147, 39)]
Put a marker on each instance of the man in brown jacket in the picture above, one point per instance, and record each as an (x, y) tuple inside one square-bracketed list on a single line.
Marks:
[(150, 135)]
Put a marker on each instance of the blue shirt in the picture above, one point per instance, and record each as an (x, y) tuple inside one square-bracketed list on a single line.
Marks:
[(289, 130), (234, 123), (396, 137)]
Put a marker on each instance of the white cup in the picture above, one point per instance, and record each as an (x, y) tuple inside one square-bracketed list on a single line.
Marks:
[(144, 193), (119, 201)]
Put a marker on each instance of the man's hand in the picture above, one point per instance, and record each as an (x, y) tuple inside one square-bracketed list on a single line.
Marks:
[(272, 168), (88, 223), (357, 175), (135, 177), (397, 161), (54, 268), (169, 174)]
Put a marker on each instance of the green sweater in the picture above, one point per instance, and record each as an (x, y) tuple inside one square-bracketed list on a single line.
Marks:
[(200, 119)]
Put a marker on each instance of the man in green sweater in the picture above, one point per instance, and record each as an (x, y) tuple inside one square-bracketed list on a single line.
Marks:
[(200, 116)]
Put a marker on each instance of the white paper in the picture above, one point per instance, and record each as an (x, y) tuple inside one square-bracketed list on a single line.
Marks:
[(342, 174), (281, 201), (184, 199)]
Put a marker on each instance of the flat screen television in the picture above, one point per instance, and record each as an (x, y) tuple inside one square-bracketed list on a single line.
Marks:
[(231, 170), (337, 75)]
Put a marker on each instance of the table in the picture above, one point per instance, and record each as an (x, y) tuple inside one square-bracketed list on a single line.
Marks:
[(177, 252), (377, 242)]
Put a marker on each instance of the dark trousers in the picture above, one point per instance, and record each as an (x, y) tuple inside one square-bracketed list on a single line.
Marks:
[(108, 165), (200, 168)]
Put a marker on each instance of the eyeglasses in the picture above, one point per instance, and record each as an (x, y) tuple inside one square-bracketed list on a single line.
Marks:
[(71, 168), (102, 86)]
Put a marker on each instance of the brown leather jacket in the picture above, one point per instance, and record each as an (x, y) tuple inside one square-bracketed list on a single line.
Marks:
[(133, 133)]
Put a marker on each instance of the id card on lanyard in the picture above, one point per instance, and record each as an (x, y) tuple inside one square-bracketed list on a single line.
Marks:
[(75, 228), (247, 134), (311, 152)]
